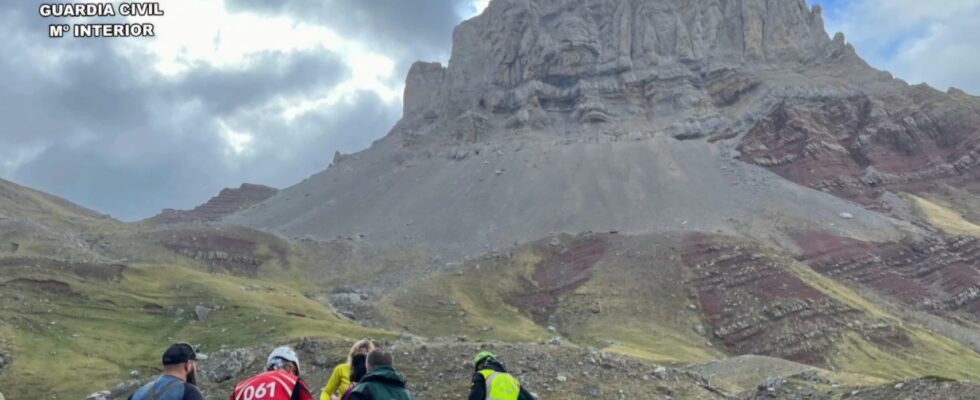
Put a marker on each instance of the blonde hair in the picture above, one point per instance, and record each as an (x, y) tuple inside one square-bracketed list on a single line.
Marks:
[(364, 344)]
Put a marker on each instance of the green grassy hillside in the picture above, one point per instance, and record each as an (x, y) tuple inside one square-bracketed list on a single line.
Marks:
[(638, 299), (85, 299), (73, 332)]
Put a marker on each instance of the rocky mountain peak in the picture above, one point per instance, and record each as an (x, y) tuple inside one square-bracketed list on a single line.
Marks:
[(226, 202), (526, 64), (638, 116)]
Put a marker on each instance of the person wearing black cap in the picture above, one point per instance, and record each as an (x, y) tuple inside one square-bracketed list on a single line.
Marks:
[(178, 379)]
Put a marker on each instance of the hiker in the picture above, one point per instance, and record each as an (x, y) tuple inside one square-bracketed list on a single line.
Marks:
[(382, 382), (281, 381), (357, 372), (179, 376), (491, 381), (340, 380)]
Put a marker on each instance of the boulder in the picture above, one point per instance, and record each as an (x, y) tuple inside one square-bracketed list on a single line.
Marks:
[(347, 299), (771, 386), (103, 395), (202, 313), (123, 390), (349, 315), (226, 365)]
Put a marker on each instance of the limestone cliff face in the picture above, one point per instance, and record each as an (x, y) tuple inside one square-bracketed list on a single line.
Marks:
[(762, 75), (640, 116), (562, 41), (526, 64)]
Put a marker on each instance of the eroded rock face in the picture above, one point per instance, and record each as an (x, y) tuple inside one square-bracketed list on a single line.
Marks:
[(755, 305), (567, 65), (633, 115), (909, 139), (240, 252), (936, 274), (227, 202)]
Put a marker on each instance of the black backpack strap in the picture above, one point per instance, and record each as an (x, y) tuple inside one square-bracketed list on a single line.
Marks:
[(299, 386), (166, 389)]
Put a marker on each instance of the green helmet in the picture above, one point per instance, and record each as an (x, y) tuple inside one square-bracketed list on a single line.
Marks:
[(483, 356)]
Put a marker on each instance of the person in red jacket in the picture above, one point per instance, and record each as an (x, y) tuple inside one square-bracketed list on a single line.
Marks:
[(281, 381)]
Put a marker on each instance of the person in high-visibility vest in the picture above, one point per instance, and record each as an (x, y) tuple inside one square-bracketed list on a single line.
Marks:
[(492, 382)]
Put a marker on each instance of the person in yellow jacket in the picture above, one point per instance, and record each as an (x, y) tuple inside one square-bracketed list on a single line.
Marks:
[(492, 382), (340, 380)]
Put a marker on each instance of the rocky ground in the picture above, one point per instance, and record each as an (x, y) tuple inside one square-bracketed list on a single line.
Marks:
[(927, 388), (442, 370)]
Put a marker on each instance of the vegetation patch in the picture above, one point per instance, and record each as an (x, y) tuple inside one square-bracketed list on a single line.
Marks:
[(64, 345), (472, 302), (941, 215)]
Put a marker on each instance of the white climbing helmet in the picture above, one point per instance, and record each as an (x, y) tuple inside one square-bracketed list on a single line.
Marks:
[(285, 353)]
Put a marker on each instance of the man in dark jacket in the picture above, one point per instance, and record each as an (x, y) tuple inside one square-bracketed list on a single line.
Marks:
[(382, 381), (491, 378)]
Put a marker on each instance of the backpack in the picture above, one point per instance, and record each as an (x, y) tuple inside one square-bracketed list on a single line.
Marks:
[(163, 388)]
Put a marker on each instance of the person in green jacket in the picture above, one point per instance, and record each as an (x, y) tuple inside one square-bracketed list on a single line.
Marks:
[(492, 382), (382, 382)]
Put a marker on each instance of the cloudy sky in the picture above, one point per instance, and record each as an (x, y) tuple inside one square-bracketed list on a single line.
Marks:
[(264, 91)]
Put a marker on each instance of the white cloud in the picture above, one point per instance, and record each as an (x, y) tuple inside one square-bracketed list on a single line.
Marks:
[(196, 32), (203, 31), (944, 57), (919, 41), (238, 142), (369, 73), (479, 6), (14, 157), (257, 91)]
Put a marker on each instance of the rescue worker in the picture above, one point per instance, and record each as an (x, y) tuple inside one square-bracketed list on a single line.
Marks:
[(281, 381), (340, 379), (492, 382), (382, 382), (178, 379)]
